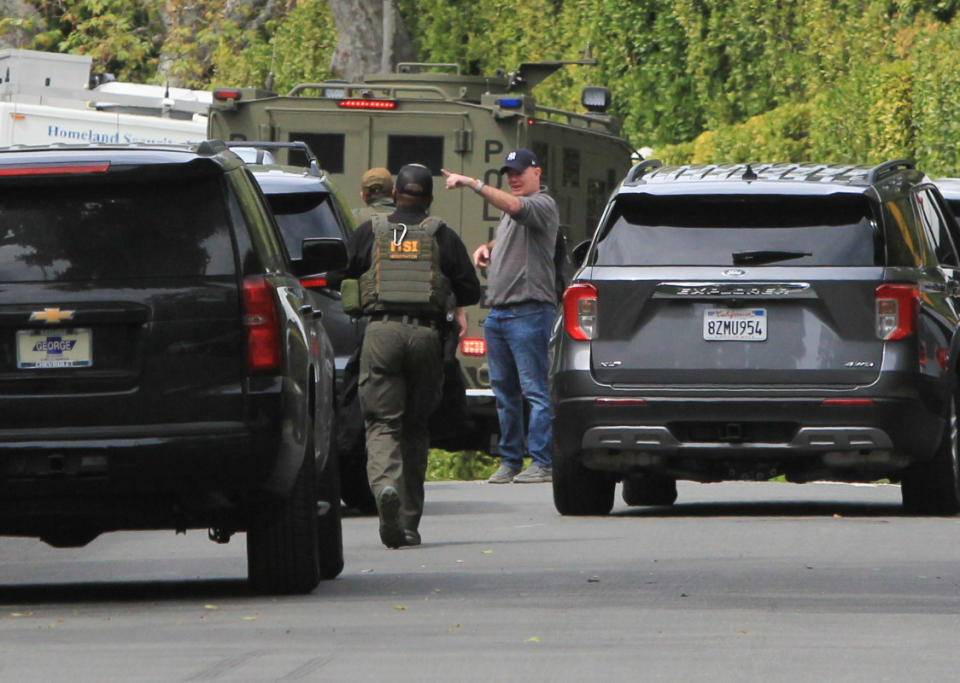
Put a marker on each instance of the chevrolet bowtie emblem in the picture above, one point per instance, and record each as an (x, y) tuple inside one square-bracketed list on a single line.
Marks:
[(51, 315)]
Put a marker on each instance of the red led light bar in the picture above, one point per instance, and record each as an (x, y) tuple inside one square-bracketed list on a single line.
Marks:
[(313, 281), (473, 347), (54, 169), (367, 104), (227, 94)]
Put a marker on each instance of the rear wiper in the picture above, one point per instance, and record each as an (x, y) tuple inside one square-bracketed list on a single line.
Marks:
[(741, 258)]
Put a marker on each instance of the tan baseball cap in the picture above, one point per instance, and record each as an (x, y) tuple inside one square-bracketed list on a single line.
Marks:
[(377, 180)]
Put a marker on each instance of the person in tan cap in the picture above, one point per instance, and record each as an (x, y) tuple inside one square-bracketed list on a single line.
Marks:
[(376, 191)]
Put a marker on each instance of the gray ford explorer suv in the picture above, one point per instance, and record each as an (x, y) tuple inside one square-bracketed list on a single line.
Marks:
[(160, 368), (749, 321)]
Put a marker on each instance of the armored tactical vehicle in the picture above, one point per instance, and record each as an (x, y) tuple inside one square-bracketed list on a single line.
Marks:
[(434, 115)]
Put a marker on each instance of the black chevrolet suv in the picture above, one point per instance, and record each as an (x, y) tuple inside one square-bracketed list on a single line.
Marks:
[(749, 321), (159, 366)]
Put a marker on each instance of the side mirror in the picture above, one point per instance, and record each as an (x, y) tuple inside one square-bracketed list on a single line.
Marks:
[(321, 254), (579, 253)]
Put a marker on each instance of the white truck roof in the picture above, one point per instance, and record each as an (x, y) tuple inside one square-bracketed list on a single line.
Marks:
[(45, 98)]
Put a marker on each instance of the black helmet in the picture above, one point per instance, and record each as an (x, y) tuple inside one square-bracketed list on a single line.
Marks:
[(415, 180)]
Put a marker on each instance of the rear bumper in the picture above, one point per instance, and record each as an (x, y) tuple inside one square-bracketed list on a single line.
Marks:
[(136, 458), (153, 476), (727, 435), (807, 439)]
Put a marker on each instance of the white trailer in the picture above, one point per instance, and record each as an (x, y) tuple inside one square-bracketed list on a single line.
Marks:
[(46, 98)]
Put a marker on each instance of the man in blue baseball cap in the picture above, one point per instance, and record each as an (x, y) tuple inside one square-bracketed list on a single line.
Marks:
[(521, 290)]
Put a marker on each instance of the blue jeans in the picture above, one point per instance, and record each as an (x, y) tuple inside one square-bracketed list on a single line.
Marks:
[(517, 339)]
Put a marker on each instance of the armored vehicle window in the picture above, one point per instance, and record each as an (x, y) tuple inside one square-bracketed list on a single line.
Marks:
[(596, 201), (114, 230), (724, 230), (542, 151), (301, 215), (935, 227), (415, 149), (328, 148), (571, 167)]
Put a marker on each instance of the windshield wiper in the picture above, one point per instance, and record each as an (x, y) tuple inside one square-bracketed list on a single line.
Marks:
[(741, 258)]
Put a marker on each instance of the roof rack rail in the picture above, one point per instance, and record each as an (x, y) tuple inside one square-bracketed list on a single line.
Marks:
[(888, 167), (635, 173), (299, 145)]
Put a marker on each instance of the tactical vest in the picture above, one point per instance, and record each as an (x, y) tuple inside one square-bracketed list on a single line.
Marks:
[(404, 274), (383, 205)]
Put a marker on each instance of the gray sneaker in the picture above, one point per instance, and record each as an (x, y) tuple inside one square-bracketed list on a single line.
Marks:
[(534, 475), (503, 475)]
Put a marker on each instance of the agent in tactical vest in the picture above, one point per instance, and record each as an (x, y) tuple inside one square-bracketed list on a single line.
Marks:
[(415, 278)]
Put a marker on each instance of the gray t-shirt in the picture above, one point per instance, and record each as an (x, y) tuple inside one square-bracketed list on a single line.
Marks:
[(521, 265)]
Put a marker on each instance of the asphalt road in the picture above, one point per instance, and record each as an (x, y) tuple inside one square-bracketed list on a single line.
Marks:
[(736, 582)]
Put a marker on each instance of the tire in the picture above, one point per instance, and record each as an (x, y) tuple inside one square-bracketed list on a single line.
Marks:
[(578, 490), (933, 487), (649, 489), (282, 552), (329, 524), (354, 486)]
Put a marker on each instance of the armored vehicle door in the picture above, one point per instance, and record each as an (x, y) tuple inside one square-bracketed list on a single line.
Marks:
[(434, 140)]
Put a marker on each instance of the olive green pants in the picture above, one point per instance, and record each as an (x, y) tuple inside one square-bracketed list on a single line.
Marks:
[(401, 378)]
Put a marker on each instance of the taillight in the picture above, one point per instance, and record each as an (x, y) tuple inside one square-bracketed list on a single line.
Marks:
[(473, 347), (313, 281), (896, 307), (580, 311), (227, 94), (262, 325)]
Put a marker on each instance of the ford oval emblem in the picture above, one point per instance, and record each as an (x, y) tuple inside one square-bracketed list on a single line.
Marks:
[(734, 272)]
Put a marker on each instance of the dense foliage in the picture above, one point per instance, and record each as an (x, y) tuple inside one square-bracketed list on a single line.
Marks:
[(697, 80)]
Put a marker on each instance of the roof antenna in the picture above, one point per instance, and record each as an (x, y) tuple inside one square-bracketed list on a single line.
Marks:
[(269, 81), (167, 103), (749, 174)]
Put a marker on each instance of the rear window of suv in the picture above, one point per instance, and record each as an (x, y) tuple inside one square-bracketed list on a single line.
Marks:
[(301, 215), (727, 230), (110, 230)]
